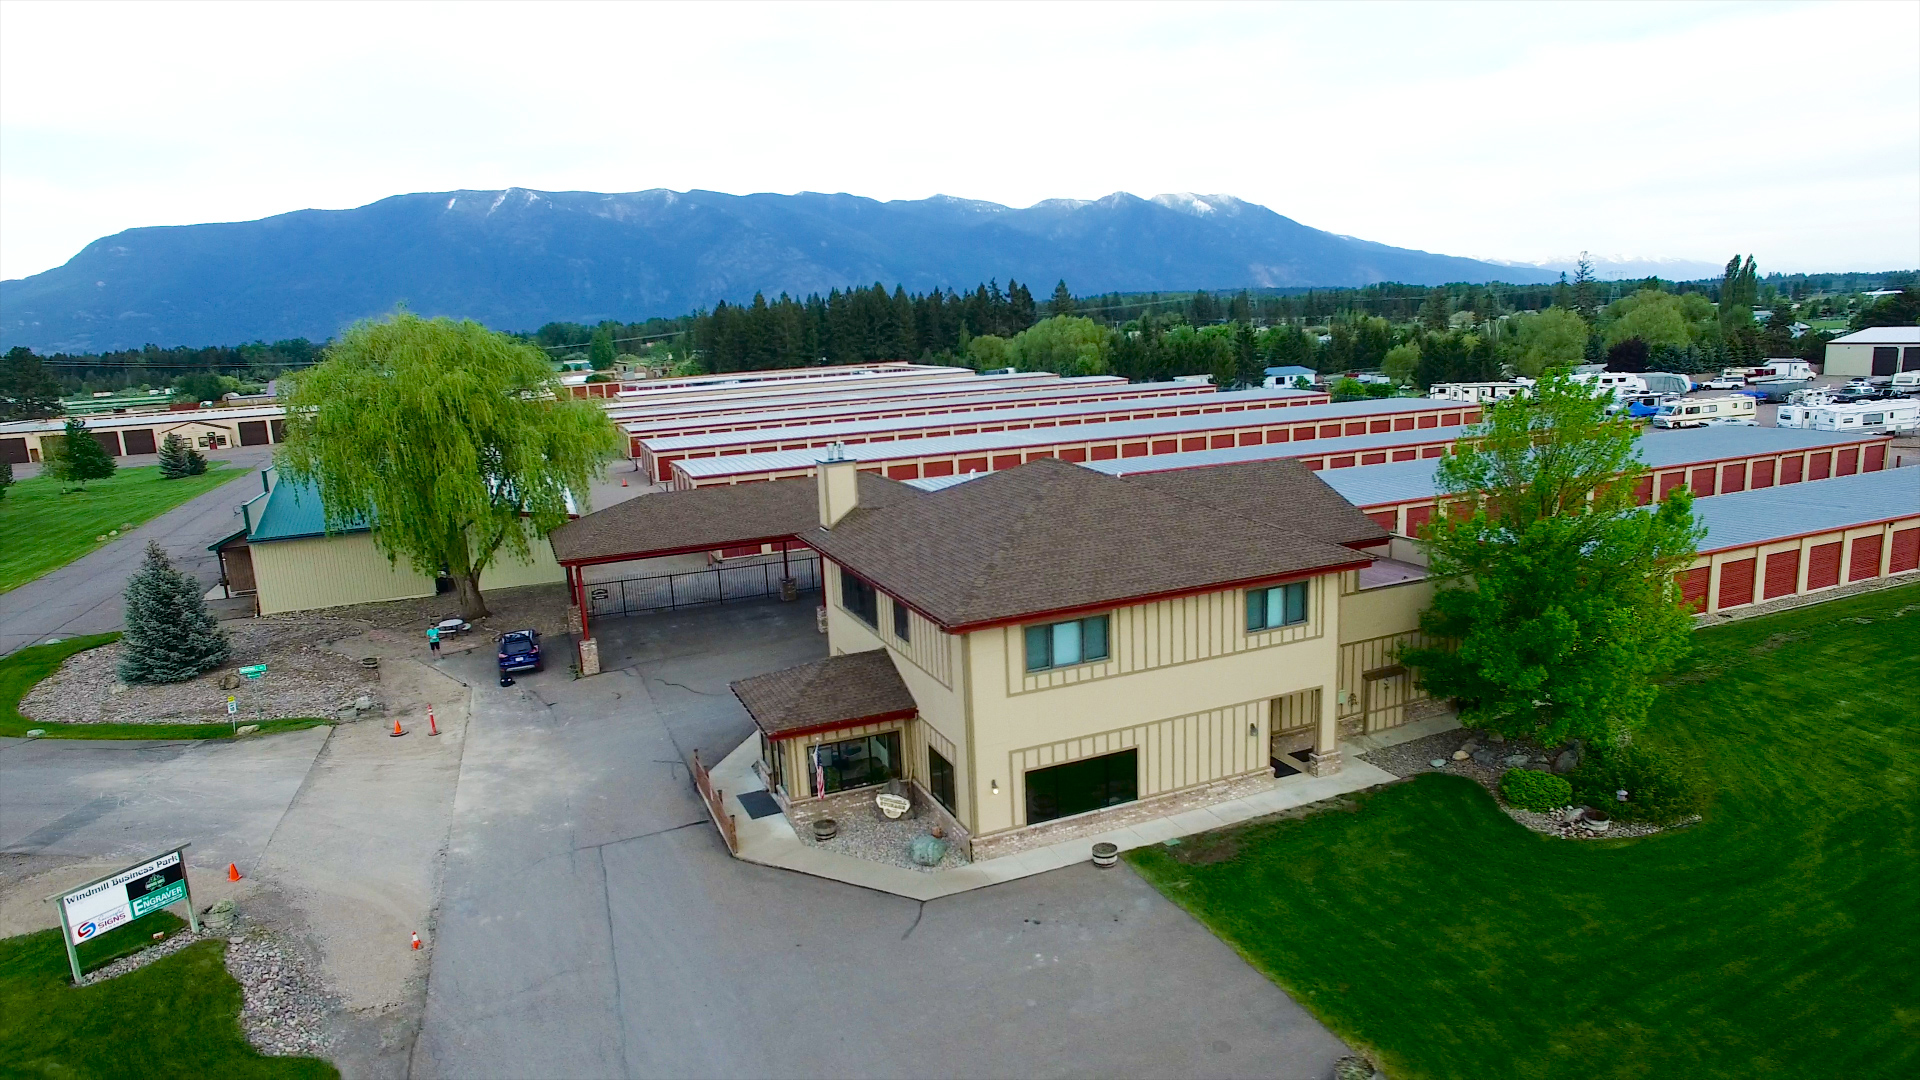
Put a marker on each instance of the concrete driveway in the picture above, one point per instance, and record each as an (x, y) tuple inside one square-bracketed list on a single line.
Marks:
[(591, 922), (83, 597)]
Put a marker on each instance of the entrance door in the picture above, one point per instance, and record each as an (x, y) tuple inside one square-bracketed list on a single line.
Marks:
[(1387, 691), (1079, 786)]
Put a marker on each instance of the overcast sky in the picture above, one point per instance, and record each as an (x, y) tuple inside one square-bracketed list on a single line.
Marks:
[(1508, 131)]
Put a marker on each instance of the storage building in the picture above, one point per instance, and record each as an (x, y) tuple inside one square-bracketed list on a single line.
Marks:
[(1876, 351)]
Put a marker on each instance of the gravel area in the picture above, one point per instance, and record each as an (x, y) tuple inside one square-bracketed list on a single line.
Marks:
[(1418, 756), (146, 956), (865, 833), (304, 678)]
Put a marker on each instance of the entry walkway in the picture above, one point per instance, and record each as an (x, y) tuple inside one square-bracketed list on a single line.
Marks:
[(771, 841)]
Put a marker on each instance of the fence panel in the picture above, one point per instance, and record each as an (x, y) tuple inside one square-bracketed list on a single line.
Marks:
[(665, 592)]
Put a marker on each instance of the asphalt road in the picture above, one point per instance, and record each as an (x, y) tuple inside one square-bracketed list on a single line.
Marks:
[(591, 922), (83, 597)]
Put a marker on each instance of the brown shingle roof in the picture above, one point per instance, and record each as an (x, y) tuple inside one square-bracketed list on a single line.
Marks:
[(706, 518), (1283, 493), (836, 692), (1051, 536)]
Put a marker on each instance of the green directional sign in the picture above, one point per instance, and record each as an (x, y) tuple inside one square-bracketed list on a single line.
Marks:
[(254, 671)]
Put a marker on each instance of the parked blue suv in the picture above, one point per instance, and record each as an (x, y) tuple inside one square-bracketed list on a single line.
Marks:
[(520, 651)]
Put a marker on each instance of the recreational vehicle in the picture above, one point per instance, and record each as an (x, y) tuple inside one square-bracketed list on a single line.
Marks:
[(1736, 409), (1895, 416)]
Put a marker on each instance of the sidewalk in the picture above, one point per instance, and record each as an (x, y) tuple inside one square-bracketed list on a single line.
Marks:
[(771, 841)]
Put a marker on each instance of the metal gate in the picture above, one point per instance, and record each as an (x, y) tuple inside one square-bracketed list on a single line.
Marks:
[(1387, 691), (664, 592)]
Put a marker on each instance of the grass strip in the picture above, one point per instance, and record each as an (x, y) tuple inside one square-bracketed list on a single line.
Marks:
[(1778, 938), (20, 670), (43, 528), (178, 1016)]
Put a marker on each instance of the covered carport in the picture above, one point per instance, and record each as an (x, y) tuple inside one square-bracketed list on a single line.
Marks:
[(740, 519)]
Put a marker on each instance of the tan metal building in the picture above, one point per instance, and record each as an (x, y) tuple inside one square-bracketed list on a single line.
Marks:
[(23, 441), (1875, 351)]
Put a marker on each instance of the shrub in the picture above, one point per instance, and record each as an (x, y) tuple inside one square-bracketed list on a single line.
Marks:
[(1661, 786), (1530, 789)]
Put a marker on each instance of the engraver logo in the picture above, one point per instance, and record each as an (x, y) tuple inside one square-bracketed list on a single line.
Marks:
[(154, 882)]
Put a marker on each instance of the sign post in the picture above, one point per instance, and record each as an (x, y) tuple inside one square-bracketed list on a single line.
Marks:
[(121, 897)]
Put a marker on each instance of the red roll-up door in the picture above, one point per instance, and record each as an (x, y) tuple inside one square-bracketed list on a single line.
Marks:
[(1906, 551), (1450, 419), (1329, 431), (1190, 445), (1249, 438), (253, 433), (973, 464), (1404, 455), (1866, 558), (937, 468), (1278, 434), (1849, 462), (1702, 481), (140, 441), (1403, 423), (1166, 446), (1471, 416), (1823, 565), (1340, 462), (1875, 459), (1430, 420), (1106, 453), (1380, 426), (1358, 427), (1763, 474), (903, 472), (1221, 442), (1669, 481), (1643, 491), (1386, 519), (1783, 573), (1301, 434), (1005, 461), (1074, 453), (1433, 451), (1693, 587), (1373, 459), (1819, 466), (1736, 583), (1790, 469), (1419, 515), (1733, 478)]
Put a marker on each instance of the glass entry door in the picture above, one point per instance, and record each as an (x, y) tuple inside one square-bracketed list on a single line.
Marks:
[(1079, 786)]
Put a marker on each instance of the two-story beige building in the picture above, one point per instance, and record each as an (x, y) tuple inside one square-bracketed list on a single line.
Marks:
[(1047, 651)]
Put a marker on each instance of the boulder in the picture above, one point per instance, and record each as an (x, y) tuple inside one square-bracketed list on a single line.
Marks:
[(1462, 754), (220, 916), (1514, 761), (926, 850), (1485, 757)]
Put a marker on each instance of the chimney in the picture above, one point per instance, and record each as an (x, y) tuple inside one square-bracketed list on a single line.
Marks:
[(837, 478)]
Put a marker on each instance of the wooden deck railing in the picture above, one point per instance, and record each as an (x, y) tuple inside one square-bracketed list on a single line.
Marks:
[(716, 804)]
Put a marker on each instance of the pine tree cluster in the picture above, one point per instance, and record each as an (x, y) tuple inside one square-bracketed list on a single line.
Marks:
[(170, 636), (178, 458)]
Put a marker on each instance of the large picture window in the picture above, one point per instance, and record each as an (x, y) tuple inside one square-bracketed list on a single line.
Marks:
[(859, 598), (862, 762), (1063, 644), (1080, 786), (1282, 605)]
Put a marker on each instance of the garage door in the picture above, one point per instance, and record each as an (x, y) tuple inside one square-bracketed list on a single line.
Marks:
[(108, 440), (140, 441), (13, 451), (253, 433)]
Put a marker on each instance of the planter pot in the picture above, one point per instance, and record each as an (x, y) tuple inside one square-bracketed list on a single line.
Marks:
[(1596, 821), (826, 829), (789, 589), (369, 662), (1105, 855)]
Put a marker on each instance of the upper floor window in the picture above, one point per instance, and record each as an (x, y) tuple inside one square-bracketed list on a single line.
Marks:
[(902, 622), (858, 597), (1282, 605), (1063, 644)]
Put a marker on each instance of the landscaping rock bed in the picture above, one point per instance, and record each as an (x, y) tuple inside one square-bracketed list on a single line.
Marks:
[(865, 834), (1486, 762), (304, 679)]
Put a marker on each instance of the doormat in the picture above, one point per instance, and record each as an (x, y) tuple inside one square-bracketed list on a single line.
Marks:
[(758, 804)]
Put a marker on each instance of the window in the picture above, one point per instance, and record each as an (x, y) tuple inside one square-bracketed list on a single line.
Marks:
[(858, 597), (940, 778), (1282, 605), (1080, 786), (862, 762), (902, 622), (1064, 644)]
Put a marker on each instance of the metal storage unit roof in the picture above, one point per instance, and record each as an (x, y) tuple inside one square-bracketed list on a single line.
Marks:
[(1745, 518), (1120, 429), (804, 397), (1661, 448), (147, 419), (1027, 414), (1008, 398)]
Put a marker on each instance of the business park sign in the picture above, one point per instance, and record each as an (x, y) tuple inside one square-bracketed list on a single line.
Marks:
[(119, 898)]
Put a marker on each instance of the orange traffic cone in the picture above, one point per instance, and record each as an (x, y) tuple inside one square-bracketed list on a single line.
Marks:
[(233, 872), (623, 481), (397, 732), (432, 728), (416, 941)]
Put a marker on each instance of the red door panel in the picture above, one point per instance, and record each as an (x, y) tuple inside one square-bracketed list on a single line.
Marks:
[(1866, 558), (1736, 583), (1783, 573), (1693, 587), (1823, 565), (1906, 551), (1733, 478)]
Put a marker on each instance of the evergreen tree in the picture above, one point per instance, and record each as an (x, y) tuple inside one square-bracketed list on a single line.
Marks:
[(80, 457), (1248, 370), (170, 635), (1436, 312), (1586, 290), (6, 476), (1062, 302), (27, 392), (174, 463), (196, 462)]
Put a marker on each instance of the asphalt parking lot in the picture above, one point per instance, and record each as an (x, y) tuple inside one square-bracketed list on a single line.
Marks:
[(591, 922)]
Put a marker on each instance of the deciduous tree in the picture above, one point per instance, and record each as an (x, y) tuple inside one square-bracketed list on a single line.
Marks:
[(1554, 338), (449, 438), (600, 353), (27, 391), (1557, 609)]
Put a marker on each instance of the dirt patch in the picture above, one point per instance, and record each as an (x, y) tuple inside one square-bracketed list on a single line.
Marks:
[(542, 607), (1777, 641), (1223, 845), (304, 678)]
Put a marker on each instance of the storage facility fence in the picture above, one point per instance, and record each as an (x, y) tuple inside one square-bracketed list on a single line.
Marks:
[(722, 584)]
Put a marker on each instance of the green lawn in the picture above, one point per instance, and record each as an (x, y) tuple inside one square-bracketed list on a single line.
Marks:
[(178, 1016), (1778, 938), (42, 529), (24, 667)]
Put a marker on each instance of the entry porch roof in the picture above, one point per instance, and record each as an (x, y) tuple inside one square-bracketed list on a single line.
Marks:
[(841, 691)]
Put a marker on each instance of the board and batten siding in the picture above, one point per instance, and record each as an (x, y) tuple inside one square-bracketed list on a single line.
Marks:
[(1167, 633), (1175, 753)]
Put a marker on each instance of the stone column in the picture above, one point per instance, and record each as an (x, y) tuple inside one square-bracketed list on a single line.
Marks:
[(589, 657), (1325, 758)]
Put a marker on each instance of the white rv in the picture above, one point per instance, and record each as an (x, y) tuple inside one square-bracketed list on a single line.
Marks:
[(1735, 409), (1894, 416), (1784, 369), (1618, 383), (1476, 393)]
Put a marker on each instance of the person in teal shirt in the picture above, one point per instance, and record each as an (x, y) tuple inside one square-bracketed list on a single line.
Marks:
[(433, 639)]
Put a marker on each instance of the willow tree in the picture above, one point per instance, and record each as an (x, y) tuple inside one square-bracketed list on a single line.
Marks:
[(1557, 610), (454, 442)]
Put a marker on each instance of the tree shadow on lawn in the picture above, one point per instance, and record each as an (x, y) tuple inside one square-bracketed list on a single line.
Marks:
[(1780, 937)]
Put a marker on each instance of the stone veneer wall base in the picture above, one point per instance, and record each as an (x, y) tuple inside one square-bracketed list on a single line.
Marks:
[(1028, 837)]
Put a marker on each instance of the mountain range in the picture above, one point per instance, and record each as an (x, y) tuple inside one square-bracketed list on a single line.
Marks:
[(517, 258)]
